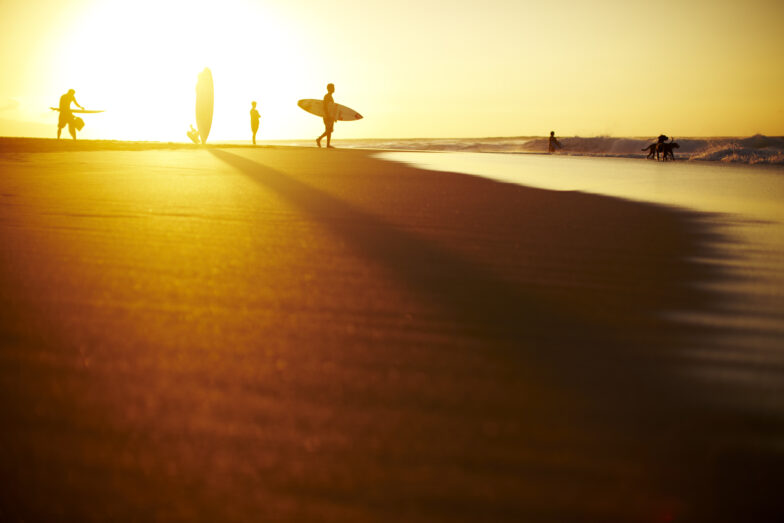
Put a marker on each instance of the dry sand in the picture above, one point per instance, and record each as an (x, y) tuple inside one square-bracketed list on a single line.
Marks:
[(245, 334)]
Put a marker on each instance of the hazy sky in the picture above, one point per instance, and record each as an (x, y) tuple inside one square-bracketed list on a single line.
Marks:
[(422, 68)]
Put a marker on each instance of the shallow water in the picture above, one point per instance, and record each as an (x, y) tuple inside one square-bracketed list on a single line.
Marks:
[(708, 187), (743, 204)]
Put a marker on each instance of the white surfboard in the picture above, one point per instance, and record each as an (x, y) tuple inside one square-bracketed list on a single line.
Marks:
[(316, 107), (77, 111), (204, 103)]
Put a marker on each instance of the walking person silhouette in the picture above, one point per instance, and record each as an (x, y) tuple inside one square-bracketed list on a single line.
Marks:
[(329, 119)]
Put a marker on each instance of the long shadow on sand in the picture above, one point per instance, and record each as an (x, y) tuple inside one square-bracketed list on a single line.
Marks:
[(482, 303), (628, 373)]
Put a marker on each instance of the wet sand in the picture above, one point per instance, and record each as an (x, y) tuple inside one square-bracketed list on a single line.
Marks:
[(233, 334)]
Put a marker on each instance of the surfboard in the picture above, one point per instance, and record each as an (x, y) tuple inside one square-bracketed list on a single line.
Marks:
[(77, 111), (204, 103), (316, 107)]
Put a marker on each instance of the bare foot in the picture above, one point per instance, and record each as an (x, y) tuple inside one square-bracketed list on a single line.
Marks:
[(318, 141)]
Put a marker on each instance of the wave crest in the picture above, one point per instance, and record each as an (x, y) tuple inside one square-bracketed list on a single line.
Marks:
[(757, 149)]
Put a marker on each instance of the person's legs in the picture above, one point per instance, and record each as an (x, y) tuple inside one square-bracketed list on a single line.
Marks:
[(328, 131), (62, 121)]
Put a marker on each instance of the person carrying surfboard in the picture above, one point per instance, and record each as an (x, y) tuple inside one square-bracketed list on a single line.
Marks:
[(329, 116), (254, 120), (66, 116)]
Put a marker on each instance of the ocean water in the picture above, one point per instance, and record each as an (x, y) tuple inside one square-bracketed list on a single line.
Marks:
[(714, 187), (756, 149)]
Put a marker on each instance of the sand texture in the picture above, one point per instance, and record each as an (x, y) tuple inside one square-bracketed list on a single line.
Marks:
[(295, 334)]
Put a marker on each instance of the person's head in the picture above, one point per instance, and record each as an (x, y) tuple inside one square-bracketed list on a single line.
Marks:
[(330, 88), (552, 133), (253, 104), (71, 91)]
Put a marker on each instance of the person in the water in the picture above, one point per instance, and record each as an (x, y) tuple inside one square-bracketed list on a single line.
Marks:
[(554, 143)]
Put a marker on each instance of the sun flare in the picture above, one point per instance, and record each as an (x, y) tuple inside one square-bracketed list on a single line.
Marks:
[(413, 68), (140, 61)]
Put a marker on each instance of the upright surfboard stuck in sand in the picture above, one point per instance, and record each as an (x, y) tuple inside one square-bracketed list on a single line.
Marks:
[(204, 103), (316, 107)]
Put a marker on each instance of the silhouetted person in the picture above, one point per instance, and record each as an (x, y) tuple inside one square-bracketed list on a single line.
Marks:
[(668, 149), (66, 116), (329, 120), (554, 143), (661, 146), (193, 134), (254, 120)]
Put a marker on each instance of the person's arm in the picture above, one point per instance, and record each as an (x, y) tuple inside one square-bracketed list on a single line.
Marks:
[(77, 104)]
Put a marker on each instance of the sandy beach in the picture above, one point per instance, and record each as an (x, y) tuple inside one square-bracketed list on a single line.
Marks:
[(294, 334)]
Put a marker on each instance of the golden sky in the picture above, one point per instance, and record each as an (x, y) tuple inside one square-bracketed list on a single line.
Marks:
[(419, 68)]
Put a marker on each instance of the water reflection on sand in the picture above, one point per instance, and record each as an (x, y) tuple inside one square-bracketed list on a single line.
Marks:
[(743, 204)]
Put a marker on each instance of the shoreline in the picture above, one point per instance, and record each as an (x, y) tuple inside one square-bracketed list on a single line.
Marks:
[(741, 204), (24, 144), (300, 334)]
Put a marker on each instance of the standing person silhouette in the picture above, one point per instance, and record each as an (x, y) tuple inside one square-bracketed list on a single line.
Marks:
[(254, 120), (554, 143), (329, 120), (66, 116)]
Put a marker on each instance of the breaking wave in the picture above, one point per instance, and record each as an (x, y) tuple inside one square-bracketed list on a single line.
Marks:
[(757, 149)]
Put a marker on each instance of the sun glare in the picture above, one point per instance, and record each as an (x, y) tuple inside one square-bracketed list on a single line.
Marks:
[(413, 68), (139, 61)]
